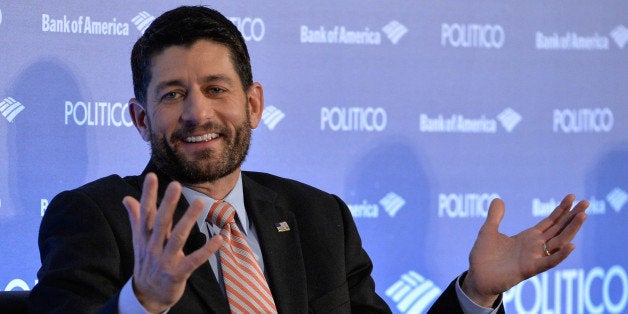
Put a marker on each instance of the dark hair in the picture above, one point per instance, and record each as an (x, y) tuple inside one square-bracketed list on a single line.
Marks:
[(184, 26)]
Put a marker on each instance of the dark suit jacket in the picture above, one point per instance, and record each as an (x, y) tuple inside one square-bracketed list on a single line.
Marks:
[(318, 266)]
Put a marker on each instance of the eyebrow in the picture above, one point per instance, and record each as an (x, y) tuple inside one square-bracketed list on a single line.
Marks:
[(179, 83)]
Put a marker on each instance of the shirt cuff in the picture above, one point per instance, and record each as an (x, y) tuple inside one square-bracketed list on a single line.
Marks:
[(470, 307), (128, 303)]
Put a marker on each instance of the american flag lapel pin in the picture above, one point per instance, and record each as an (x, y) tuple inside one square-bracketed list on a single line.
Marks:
[(282, 226)]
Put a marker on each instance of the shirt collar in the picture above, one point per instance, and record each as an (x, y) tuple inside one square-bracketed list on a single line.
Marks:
[(235, 198)]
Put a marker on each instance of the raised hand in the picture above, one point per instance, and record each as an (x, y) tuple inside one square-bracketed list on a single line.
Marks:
[(498, 262), (161, 268)]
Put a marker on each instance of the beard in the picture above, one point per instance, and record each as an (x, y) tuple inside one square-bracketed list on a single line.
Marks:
[(206, 165)]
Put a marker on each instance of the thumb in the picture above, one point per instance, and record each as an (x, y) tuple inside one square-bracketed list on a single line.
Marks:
[(495, 214)]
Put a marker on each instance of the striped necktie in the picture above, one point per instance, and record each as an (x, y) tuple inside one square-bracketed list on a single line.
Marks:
[(246, 287)]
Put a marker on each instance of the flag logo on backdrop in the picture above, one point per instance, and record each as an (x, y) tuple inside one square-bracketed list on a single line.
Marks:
[(272, 116), (10, 108), (509, 119), (142, 20), (392, 203), (620, 35), (394, 31), (617, 198), (412, 293)]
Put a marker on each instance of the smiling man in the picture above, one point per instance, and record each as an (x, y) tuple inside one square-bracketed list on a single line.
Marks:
[(195, 234), (198, 116)]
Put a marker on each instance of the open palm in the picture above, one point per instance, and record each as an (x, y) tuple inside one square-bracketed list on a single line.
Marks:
[(499, 262)]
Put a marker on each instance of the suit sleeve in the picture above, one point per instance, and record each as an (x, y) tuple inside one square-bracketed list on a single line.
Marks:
[(358, 268), (81, 270), (448, 302)]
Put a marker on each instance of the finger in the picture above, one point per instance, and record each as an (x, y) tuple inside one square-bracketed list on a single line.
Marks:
[(566, 220), (556, 258), (557, 214), (564, 238), (200, 256), (133, 209), (163, 221), (183, 227), (581, 206), (494, 217), (148, 203)]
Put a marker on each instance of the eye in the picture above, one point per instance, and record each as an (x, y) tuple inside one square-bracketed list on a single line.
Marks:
[(170, 96), (215, 90)]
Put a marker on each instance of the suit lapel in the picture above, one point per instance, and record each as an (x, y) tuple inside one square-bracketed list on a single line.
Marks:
[(283, 260), (202, 281)]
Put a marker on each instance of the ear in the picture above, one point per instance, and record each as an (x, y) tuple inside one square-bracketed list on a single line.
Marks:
[(140, 118), (256, 103)]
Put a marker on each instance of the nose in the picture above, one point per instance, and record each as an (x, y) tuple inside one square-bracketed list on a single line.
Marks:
[(197, 109)]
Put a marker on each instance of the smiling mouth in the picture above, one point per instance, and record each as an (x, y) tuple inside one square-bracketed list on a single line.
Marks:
[(201, 138)]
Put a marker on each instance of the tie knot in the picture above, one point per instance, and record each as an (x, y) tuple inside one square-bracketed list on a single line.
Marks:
[(220, 214)]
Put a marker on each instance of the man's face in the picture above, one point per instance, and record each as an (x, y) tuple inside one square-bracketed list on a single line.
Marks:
[(198, 117)]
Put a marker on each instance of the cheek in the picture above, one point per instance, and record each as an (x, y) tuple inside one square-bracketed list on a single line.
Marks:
[(162, 121)]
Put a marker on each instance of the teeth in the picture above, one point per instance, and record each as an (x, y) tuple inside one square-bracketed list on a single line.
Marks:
[(201, 138)]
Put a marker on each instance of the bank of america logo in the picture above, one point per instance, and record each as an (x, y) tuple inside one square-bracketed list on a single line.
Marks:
[(509, 119), (394, 31), (620, 35), (413, 294), (392, 203), (10, 108), (617, 198), (142, 20), (271, 116)]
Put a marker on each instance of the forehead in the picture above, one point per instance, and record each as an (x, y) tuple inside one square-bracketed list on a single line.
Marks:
[(201, 58)]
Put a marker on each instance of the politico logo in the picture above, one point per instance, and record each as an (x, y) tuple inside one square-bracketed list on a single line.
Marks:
[(43, 206), (596, 290), (391, 203), (616, 199), (10, 108), (142, 21), (252, 28), (467, 205), (583, 120), (458, 123), (482, 36), (97, 113), (272, 116), (359, 119), (412, 293)]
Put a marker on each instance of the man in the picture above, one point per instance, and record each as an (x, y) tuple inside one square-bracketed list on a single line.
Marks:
[(196, 102)]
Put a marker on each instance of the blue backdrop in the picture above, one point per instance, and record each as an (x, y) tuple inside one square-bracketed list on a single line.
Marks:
[(416, 113)]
